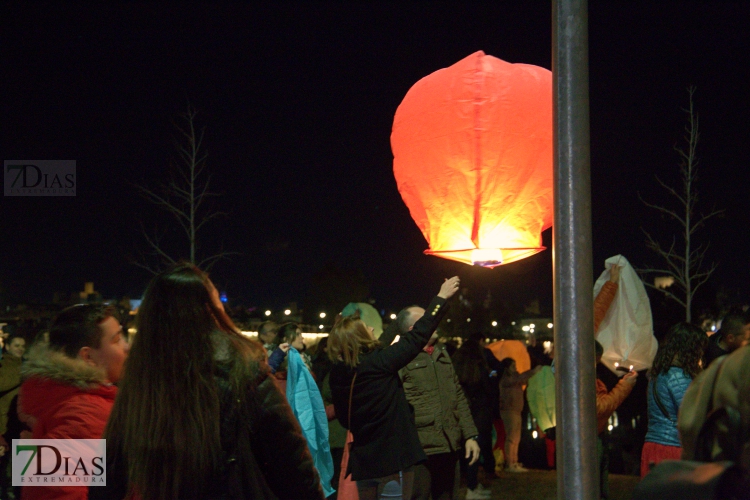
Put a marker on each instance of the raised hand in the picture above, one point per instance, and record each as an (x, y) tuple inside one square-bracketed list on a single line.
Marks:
[(449, 287), (614, 273), (630, 377)]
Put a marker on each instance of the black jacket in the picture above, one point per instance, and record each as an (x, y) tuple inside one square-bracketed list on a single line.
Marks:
[(266, 455), (385, 437)]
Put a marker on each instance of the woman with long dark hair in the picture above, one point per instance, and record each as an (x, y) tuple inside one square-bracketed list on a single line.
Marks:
[(677, 363), (196, 415), (370, 401)]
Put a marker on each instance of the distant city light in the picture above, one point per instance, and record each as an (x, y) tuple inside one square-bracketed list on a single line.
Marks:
[(223, 297), (550, 325), (268, 313), (525, 328), (494, 323), (532, 325), (547, 346), (609, 428), (448, 320), (321, 327), (287, 312), (393, 316), (322, 315), (513, 323), (468, 320), (534, 434), (614, 420), (663, 282)]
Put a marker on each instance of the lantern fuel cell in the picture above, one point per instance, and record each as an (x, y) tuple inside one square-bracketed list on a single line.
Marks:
[(487, 257), (472, 147)]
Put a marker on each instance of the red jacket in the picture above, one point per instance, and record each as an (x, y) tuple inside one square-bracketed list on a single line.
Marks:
[(608, 401), (63, 398)]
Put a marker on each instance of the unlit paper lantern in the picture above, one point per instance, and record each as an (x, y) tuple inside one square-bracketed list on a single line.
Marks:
[(472, 147)]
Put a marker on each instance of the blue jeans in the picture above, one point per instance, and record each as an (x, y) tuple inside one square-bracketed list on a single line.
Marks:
[(396, 486)]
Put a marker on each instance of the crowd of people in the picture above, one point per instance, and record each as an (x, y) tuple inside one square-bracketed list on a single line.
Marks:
[(192, 408)]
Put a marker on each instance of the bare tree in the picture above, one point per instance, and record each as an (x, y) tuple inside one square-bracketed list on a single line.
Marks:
[(184, 197), (683, 260)]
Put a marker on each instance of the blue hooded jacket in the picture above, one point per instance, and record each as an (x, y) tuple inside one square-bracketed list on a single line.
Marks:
[(671, 387), (307, 405)]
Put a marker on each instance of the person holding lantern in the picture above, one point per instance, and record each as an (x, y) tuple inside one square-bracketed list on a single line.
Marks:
[(441, 411), (369, 400), (607, 401)]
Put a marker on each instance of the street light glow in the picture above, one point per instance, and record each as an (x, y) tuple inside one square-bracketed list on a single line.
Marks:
[(268, 313), (320, 326), (494, 323), (393, 316), (550, 325), (322, 315), (287, 312)]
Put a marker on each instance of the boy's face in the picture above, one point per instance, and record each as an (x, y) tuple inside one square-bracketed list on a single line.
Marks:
[(17, 347), (112, 351), (298, 343)]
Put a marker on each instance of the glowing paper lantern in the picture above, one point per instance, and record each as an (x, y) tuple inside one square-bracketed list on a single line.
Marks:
[(514, 349), (472, 147), (540, 393)]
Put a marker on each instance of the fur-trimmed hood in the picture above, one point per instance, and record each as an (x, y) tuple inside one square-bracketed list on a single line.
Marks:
[(62, 397), (46, 363)]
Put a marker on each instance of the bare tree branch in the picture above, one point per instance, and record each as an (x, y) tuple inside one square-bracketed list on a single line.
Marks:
[(704, 218), (666, 292), (670, 190), (184, 195), (667, 211), (207, 263), (683, 263)]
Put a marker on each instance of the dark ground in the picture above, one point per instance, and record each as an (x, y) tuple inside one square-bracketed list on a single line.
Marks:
[(542, 485)]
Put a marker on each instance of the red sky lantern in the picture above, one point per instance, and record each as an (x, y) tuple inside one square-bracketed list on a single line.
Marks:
[(472, 147)]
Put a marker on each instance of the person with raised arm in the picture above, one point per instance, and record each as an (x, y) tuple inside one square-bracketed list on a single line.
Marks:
[(369, 400)]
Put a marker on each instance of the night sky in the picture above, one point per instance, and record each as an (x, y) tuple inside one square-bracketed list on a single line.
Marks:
[(298, 102)]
